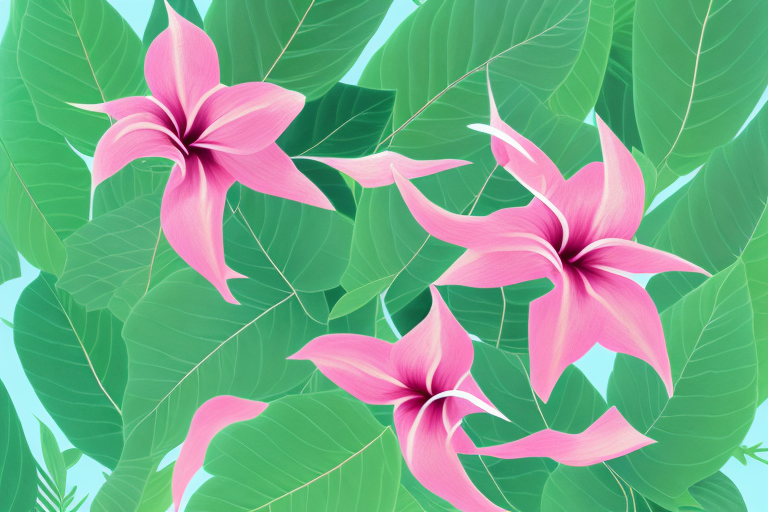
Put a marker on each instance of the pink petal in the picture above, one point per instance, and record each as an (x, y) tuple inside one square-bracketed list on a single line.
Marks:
[(376, 170), (507, 229), (135, 136), (627, 256), (191, 216), (245, 118), (437, 353), (271, 171), (433, 461), (562, 327), (358, 364), (209, 420), (629, 320), (181, 65), (537, 172), (609, 437), (478, 269), (578, 199), (125, 107)]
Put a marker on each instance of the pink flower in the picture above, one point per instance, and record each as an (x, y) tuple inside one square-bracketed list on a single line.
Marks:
[(578, 234), (426, 376), (209, 420)]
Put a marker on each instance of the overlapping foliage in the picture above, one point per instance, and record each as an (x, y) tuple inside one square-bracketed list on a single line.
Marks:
[(123, 342)]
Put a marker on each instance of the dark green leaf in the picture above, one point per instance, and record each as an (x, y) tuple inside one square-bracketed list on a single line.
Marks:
[(77, 364), (18, 480), (78, 51), (712, 354), (158, 20), (331, 454), (698, 70), (302, 45)]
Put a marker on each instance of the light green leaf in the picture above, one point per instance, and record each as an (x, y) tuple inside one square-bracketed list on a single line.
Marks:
[(406, 503), (331, 454), (78, 51), (54, 460), (698, 70), (712, 354), (18, 480), (440, 91), (504, 378), (348, 121), (157, 495), (649, 175), (10, 266), (755, 258), (44, 185), (302, 45), (188, 345), (158, 19), (117, 258), (77, 365), (577, 95), (615, 104), (141, 177), (71, 457)]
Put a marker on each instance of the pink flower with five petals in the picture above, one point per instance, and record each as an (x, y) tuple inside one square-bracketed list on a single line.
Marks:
[(426, 376), (576, 232)]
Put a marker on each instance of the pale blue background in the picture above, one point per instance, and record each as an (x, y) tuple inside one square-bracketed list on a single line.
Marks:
[(87, 474)]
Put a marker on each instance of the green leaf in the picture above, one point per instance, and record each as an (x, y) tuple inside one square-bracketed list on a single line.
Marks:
[(10, 266), (717, 493), (158, 19), (649, 175), (78, 51), (331, 454), (406, 502), (76, 362), (699, 69), (712, 355), (18, 481), (615, 104), (157, 495), (54, 460), (305, 247), (441, 91), (118, 257), (577, 95), (302, 45), (348, 121), (332, 183), (188, 345), (498, 316), (141, 177), (504, 378), (44, 185), (594, 488), (71, 457)]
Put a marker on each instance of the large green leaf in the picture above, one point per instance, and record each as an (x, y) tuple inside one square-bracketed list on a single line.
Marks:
[(157, 495), (78, 51), (158, 19), (698, 70), (440, 90), (615, 104), (302, 45), (141, 177), (10, 266), (716, 219), (578, 93), (574, 405), (77, 364), (117, 258), (44, 185), (712, 354), (18, 479), (348, 121), (598, 489), (187, 345), (319, 452)]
